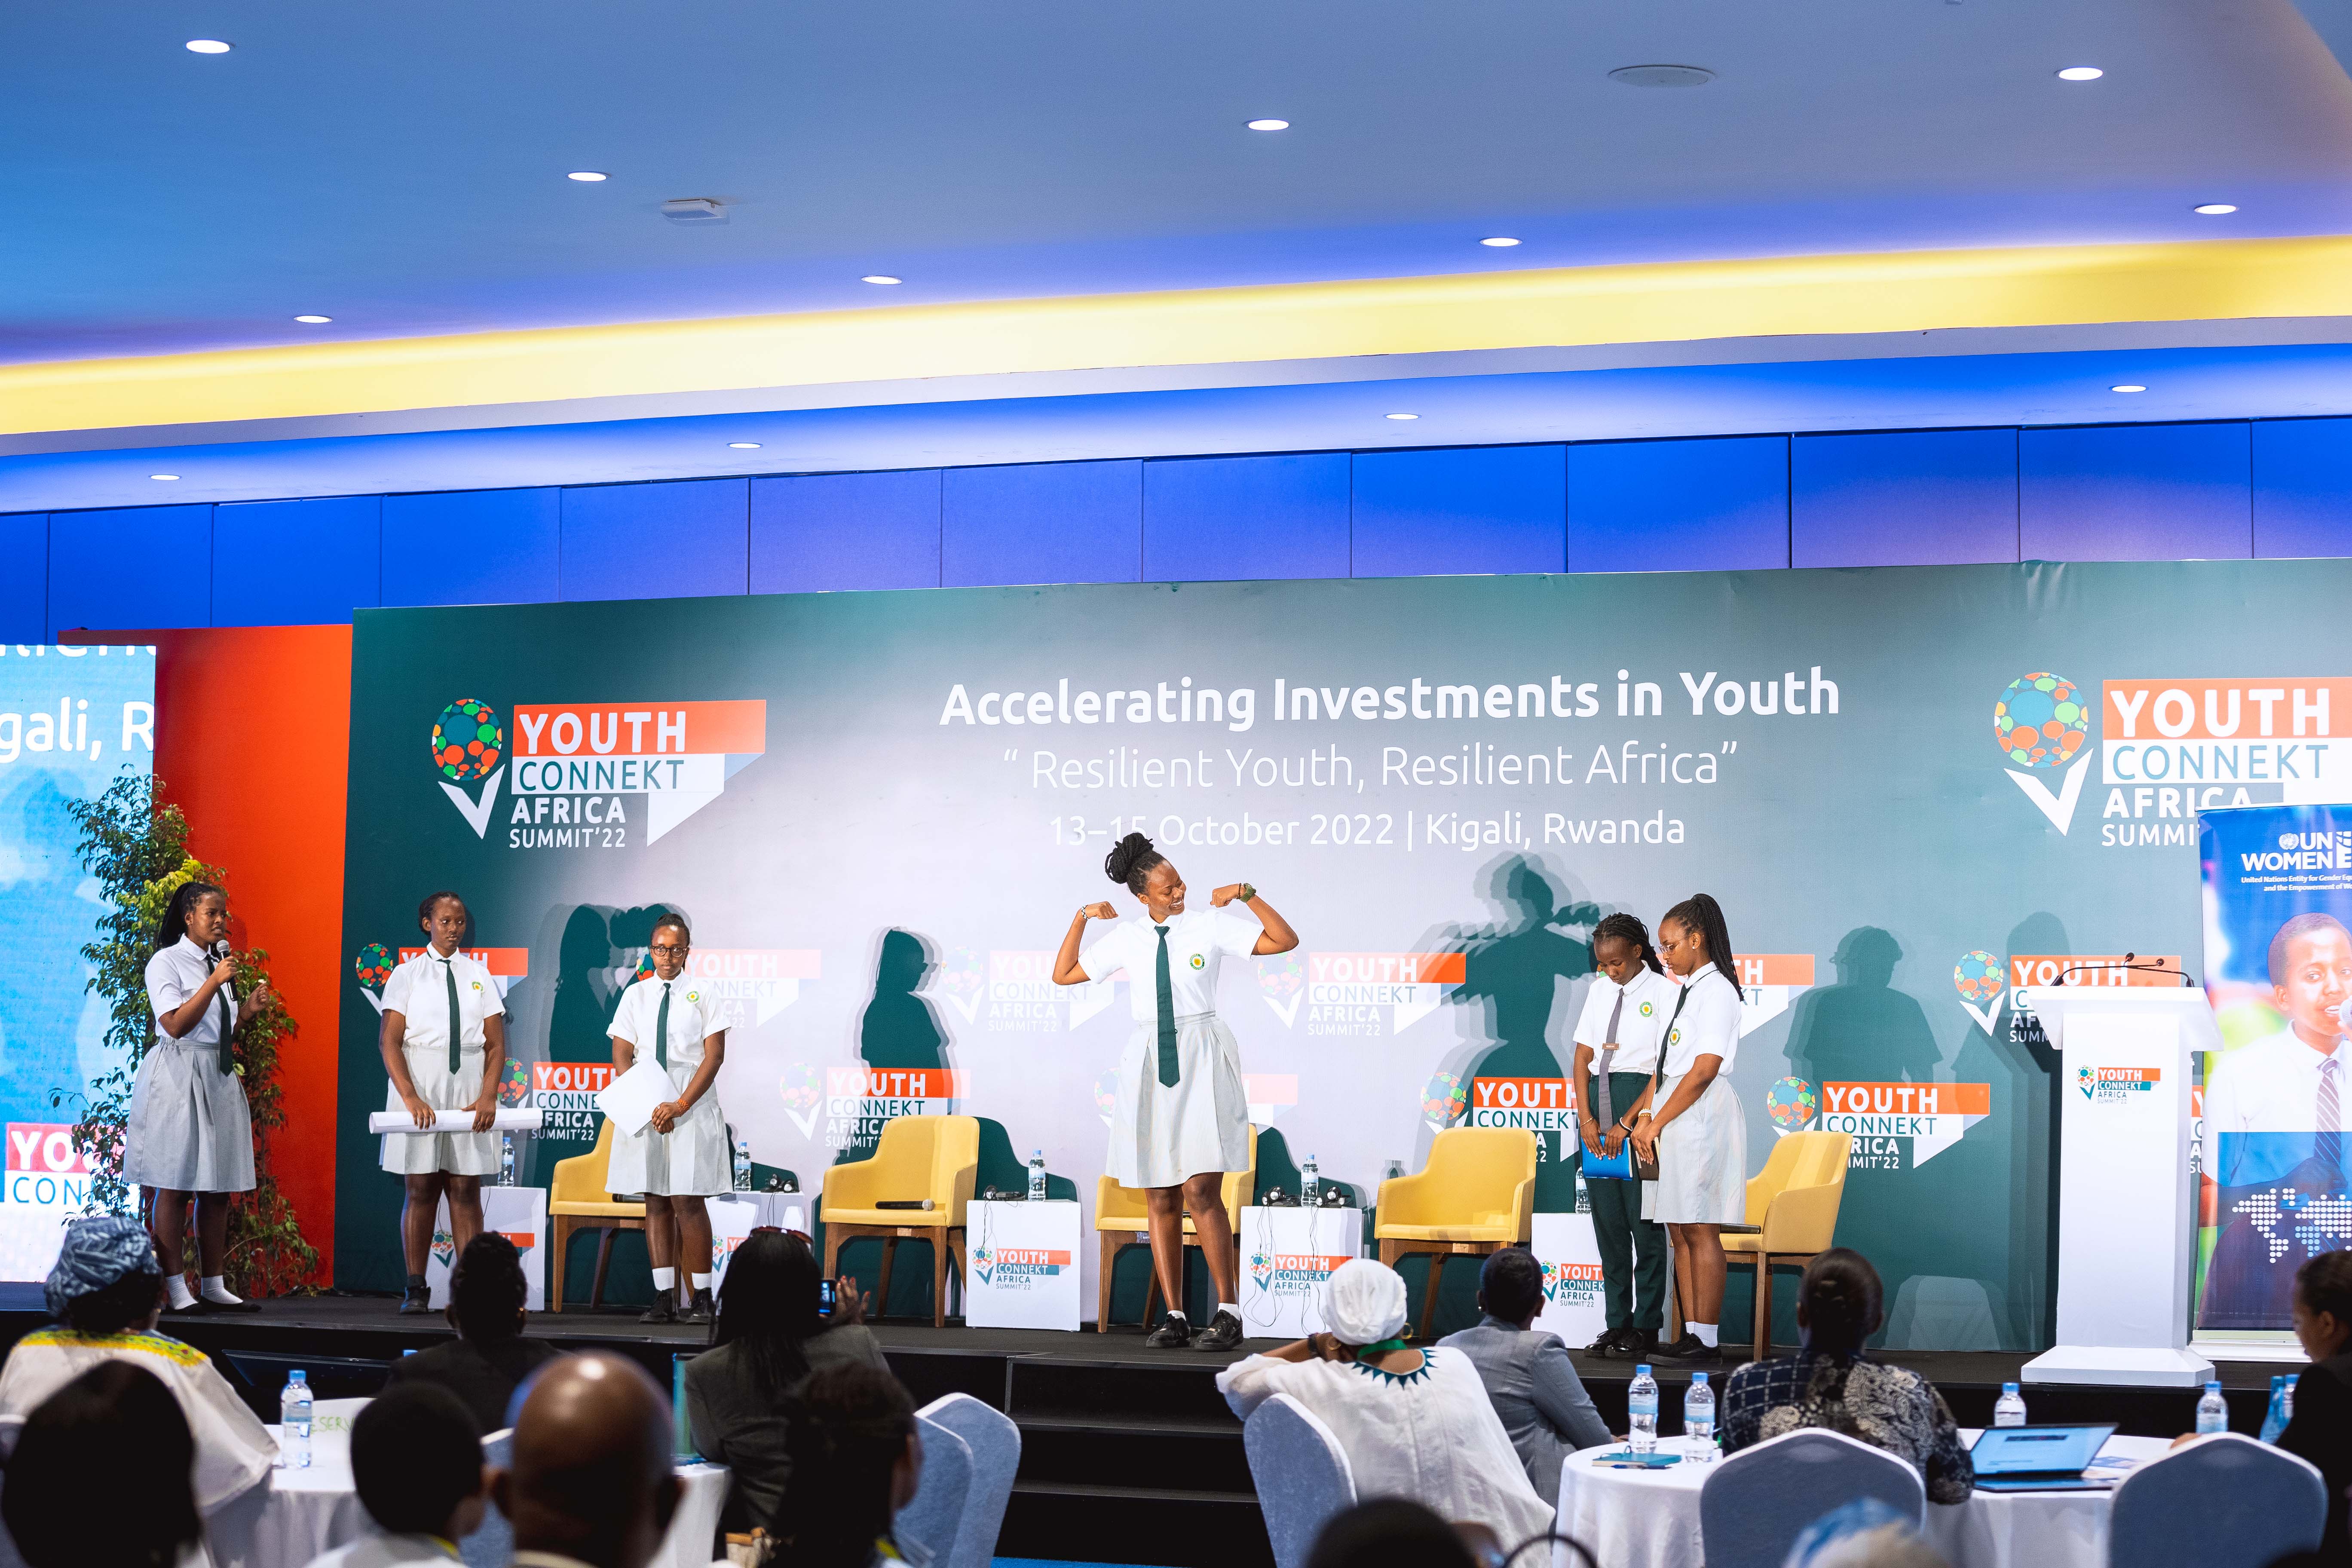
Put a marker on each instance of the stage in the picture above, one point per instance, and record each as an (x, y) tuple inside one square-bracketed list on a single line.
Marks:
[(1119, 1444)]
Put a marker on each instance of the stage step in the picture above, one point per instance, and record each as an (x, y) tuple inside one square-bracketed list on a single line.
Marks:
[(1162, 1526)]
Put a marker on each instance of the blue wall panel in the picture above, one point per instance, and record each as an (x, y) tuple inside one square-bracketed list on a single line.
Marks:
[(472, 547), (827, 531), (1210, 519), (1943, 497), (2303, 487), (681, 539), (2135, 492), (1719, 504), (1463, 510), (297, 563), (25, 584), (140, 568), (1042, 522)]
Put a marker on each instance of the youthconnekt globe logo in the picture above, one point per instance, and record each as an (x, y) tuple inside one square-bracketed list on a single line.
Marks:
[(467, 741), (2040, 721)]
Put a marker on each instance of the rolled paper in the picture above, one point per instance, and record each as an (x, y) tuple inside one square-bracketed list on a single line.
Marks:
[(503, 1121)]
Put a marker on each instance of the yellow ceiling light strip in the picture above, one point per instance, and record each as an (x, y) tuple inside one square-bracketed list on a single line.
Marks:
[(1912, 291)]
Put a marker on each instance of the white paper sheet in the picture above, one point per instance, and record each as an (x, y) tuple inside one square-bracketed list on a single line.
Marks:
[(629, 1099), (456, 1121)]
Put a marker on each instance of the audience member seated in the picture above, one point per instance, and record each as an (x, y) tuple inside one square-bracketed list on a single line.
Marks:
[(1529, 1376), (416, 1458), (2322, 1428), (1414, 1423), (110, 1437), (768, 1338), (1389, 1532), (105, 1293), (1830, 1383), (591, 1478), (489, 1358), (857, 1458)]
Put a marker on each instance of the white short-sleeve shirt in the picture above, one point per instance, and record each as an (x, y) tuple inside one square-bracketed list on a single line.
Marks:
[(176, 974), (691, 1006), (417, 991), (1709, 1024), (1649, 999), (1197, 941)]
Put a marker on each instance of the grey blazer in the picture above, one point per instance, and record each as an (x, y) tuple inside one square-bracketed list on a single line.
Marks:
[(1535, 1391)]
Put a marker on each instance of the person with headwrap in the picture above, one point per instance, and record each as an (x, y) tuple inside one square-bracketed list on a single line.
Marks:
[(105, 1293), (1414, 1423)]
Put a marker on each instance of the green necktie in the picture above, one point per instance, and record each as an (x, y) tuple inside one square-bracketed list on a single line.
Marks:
[(228, 1028), (1167, 988), (661, 1028), (456, 1019)]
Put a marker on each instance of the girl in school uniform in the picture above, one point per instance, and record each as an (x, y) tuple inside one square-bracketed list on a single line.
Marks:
[(1617, 1040), (1181, 1119), (445, 1047), (190, 1136), (682, 1157), (1692, 1124)]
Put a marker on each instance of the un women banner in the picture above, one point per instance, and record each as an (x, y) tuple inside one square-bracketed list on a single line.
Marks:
[(1912, 789)]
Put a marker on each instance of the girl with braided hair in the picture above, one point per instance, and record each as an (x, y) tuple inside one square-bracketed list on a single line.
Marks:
[(1181, 1120), (1691, 1124), (1617, 1039)]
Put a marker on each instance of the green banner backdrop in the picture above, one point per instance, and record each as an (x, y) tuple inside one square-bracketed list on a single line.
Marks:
[(879, 811)]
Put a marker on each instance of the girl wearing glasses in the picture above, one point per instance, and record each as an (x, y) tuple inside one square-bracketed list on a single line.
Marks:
[(682, 1157)]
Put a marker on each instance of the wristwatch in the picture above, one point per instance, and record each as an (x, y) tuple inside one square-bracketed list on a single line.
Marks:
[(1248, 894)]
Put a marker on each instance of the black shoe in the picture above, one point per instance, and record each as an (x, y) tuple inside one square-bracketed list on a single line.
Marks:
[(1607, 1344), (699, 1311), (210, 1305), (1636, 1344), (1173, 1334), (1223, 1334), (416, 1301), (1687, 1348), (663, 1310)]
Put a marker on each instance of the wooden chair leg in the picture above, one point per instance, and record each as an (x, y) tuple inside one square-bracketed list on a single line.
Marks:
[(603, 1260), (939, 1279), (561, 1238), (1763, 1306), (1108, 1247), (1391, 1251), (882, 1289), (833, 1240), (1429, 1292)]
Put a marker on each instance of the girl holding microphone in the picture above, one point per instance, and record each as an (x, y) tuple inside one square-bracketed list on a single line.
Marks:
[(445, 1047), (190, 1135), (1181, 1119), (1690, 1120)]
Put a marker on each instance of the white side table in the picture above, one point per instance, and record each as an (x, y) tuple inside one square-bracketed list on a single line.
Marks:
[(1021, 1265), (1286, 1254)]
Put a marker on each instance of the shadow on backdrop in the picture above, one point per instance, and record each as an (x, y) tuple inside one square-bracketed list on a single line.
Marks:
[(900, 1031)]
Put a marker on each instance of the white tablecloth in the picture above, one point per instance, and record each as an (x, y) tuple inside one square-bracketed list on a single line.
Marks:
[(297, 1515), (1649, 1519)]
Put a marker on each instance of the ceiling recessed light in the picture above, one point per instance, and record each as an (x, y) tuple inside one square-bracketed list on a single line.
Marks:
[(314, 320), (743, 446), (2127, 386), (585, 176), (1269, 125), (2214, 209), (1661, 76), (2080, 73), (208, 46), (880, 278), (162, 475), (1500, 241), (1403, 416)]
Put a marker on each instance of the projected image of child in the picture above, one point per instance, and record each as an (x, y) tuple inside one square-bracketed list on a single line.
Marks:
[(1182, 1118), (2274, 1119)]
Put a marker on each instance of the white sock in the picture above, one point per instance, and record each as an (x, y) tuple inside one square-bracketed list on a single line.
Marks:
[(181, 1295), (664, 1279), (1706, 1333), (1178, 1313), (1228, 1307), (216, 1288), (702, 1281)]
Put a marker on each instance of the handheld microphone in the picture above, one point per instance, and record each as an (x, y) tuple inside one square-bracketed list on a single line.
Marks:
[(219, 950)]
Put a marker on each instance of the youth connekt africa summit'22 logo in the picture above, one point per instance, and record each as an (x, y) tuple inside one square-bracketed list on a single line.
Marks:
[(577, 766), (2040, 724)]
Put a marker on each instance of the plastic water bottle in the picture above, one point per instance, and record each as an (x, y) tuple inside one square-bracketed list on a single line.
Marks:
[(2274, 1418), (294, 1421), (1698, 1418), (2212, 1413), (505, 1158), (742, 1163), (2009, 1410), (1641, 1411), (1310, 1185), (1038, 1177), (2287, 1409)]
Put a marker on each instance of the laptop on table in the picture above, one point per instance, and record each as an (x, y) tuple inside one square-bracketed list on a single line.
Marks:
[(2039, 1458)]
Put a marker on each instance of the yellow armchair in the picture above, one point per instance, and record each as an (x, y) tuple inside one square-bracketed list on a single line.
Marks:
[(577, 1200), (1475, 1196), (918, 1158), (1121, 1220), (1792, 1204)]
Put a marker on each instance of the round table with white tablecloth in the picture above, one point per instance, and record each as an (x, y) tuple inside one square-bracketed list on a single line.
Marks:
[(1649, 1519), (298, 1513)]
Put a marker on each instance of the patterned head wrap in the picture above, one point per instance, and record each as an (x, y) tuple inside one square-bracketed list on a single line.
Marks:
[(1364, 1302), (98, 1252)]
